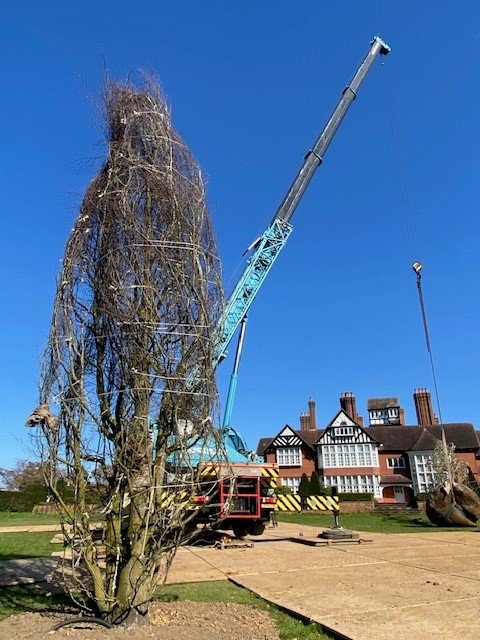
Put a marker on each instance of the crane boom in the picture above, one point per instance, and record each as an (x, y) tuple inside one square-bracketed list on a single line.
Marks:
[(269, 245)]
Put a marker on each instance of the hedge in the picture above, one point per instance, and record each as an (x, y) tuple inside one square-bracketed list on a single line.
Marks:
[(34, 494), (356, 497), (23, 500)]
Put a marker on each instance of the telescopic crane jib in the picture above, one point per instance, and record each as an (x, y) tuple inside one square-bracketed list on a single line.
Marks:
[(268, 246)]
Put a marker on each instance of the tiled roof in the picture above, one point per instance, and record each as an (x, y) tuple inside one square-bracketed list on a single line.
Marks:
[(382, 403), (262, 445), (309, 436), (426, 441), (415, 438)]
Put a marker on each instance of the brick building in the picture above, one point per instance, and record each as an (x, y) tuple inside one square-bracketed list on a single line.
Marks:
[(387, 458)]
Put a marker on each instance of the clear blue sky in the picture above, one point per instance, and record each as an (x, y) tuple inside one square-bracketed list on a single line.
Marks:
[(251, 84)]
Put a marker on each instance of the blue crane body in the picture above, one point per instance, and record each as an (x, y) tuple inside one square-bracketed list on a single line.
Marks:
[(267, 248), (250, 490)]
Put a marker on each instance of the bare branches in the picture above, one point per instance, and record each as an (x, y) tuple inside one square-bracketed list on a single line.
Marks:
[(130, 355)]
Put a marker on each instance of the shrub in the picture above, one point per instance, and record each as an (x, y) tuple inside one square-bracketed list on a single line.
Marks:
[(304, 487), (283, 491), (421, 497), (314, 487), (356, 497)]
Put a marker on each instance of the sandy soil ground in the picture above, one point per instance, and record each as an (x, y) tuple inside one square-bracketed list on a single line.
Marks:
[(169, 621)]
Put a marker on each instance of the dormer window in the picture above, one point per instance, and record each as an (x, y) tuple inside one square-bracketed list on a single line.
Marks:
[(343, 431)]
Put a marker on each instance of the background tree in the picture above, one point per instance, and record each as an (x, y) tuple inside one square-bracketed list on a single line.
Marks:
[(129, 362), (24, 473)]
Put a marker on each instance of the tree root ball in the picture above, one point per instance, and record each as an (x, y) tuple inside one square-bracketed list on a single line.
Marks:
[(443, 511)]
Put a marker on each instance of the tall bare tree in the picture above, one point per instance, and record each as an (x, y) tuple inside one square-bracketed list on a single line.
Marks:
[(130, 356)]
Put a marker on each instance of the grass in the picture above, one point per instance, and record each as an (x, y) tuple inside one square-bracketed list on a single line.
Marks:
[(372, 522), (289, 627), (11, 519), (15, 600), (14, 546)]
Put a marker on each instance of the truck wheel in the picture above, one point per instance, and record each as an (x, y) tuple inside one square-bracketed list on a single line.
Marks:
[(257, 528), (240, 529)]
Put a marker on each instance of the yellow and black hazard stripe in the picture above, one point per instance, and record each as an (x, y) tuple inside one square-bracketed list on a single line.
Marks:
[(322, 503), (312, 503), (269, 477), (167, 497), (288, 503), (209, 470)]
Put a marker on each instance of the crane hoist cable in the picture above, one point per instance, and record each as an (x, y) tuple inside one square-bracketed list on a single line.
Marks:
[(410, 221), (417, 268)]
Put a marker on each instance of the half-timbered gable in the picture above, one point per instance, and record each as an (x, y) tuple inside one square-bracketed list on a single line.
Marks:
[(343, 430), (347, 456), (287, 438)]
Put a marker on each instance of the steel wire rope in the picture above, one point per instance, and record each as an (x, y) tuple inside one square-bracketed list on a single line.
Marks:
[(405, 184)]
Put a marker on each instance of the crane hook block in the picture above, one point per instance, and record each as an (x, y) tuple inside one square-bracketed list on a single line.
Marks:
[(417, 267)]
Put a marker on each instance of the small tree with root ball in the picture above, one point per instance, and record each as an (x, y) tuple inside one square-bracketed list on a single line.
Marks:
[(127, 388)]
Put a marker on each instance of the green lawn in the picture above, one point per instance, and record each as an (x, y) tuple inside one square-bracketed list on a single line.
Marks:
[(289, 627), (15, 546), (10, 519), (373, 522)]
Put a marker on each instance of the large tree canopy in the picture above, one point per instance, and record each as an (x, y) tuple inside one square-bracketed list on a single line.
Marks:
[(130, 356)]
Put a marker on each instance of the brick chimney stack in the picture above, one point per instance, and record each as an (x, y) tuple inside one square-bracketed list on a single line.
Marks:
[(349, 405), (423, 407), (312, 412), (308, 419), (304, 421)]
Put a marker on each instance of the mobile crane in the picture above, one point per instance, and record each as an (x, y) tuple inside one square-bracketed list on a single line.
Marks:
[(252, 501)]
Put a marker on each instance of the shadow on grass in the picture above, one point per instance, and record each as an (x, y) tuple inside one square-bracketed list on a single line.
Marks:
[(31, 598), (421, 523)]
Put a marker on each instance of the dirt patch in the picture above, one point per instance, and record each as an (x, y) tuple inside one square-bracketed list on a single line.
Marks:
[(169, 621)]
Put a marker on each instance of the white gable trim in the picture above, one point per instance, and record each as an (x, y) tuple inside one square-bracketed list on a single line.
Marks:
[(343, 430), (286, 438), (341, 419)]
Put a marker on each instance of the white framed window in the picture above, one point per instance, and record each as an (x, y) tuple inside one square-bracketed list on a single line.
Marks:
[(354, 484), (422, 472), (348, 455), (396, 463), (343, 431), (289, 457), (383, 416), (292, 483)]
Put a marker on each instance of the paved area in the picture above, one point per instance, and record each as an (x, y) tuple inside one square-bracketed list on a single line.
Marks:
[(25, 528), (401, 586), (28, 571)]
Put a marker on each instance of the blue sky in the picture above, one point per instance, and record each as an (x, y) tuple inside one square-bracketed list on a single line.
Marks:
[(251, 84)]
